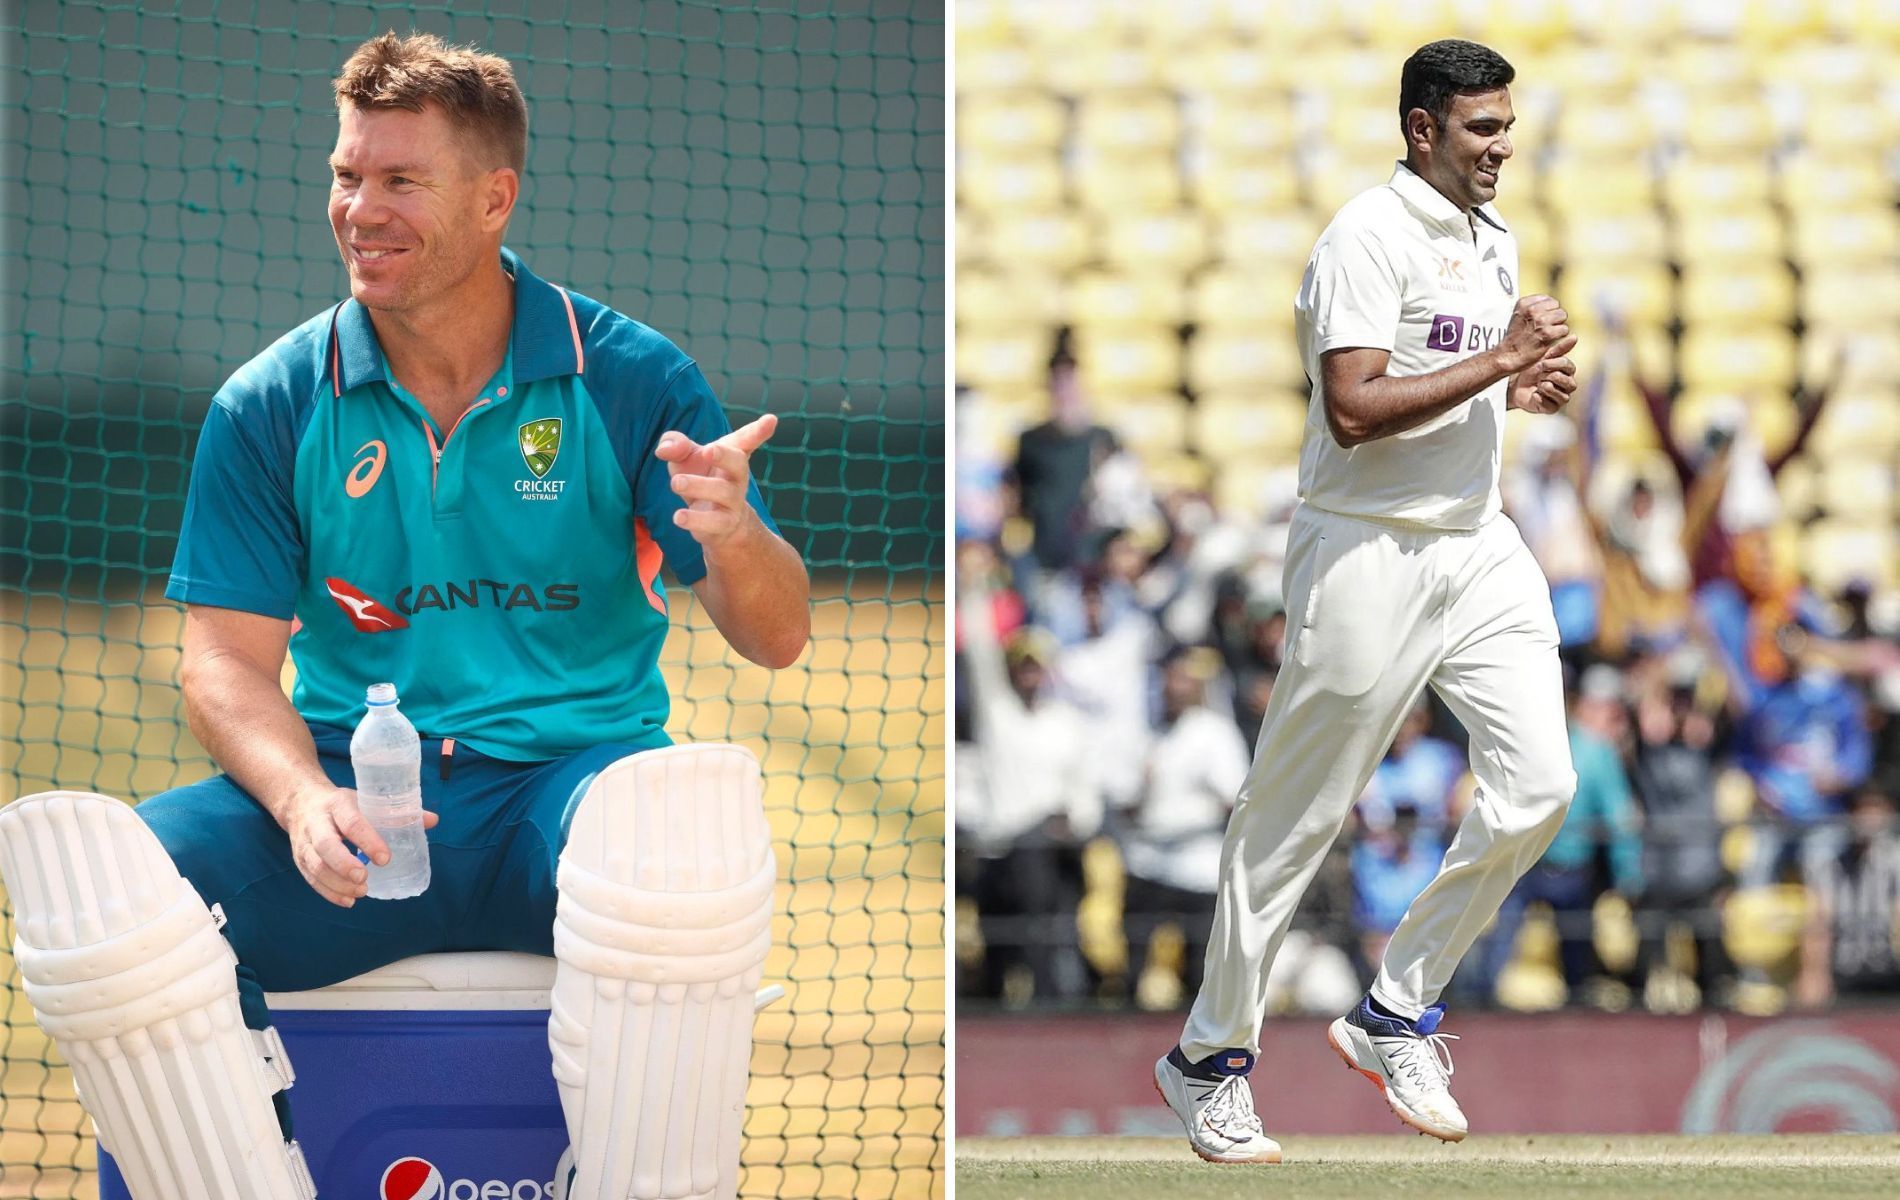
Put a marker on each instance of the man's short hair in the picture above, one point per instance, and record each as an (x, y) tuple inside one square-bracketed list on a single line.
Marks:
[(477, 91), (1437, 71)]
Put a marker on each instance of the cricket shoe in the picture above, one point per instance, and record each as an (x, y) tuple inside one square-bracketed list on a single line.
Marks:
[(1409, 1060), (1215, 1103)]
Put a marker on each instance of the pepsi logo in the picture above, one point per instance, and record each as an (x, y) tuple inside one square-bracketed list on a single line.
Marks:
[(412, 1179)]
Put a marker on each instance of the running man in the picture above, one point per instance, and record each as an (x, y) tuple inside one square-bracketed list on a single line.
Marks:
[(1401, 572), (464, 480)]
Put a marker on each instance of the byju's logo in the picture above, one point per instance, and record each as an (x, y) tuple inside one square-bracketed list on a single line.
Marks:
[(1448, 333), (420, 1179), (412, 1179)]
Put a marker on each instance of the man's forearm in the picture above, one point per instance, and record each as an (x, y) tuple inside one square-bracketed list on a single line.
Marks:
[(1371, 409), (241, 716), (759, 596)]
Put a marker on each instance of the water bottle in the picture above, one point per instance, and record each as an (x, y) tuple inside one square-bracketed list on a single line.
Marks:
[(387, 757)]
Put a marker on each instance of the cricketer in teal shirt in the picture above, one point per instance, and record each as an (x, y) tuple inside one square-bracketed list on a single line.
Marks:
[(504, 573)]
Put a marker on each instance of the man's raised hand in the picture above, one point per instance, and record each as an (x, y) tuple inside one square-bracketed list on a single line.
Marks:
[(713, 479)]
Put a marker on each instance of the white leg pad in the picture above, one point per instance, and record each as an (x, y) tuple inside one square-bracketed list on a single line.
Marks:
[(127, 972), (662, 925)]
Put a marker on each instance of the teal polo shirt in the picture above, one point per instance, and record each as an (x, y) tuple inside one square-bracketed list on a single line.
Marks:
[(504, 573)]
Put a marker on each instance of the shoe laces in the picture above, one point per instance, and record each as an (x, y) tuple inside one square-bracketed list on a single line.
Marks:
[(1426, 1058), (1230, 1110)]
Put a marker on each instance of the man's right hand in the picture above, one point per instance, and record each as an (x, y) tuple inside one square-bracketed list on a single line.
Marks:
[(1537, 324), (319, 822)]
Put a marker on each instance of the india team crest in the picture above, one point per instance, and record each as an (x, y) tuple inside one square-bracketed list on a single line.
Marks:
[(541, 445)]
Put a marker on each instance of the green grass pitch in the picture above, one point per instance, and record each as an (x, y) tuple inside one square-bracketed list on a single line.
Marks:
[(1524, 1167)]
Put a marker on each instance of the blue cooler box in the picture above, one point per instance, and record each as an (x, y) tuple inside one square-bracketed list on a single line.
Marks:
[(442, 1058)]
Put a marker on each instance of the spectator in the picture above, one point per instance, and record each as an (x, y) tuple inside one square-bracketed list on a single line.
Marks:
[(1419, 772), (1544, 495), (1032, 805), (1106, 675), (1674, 775), (1646, 576), (1171, 831), (1855, 894), (1390, 867), (1807, 746), (1602, 815), (1054, 461)]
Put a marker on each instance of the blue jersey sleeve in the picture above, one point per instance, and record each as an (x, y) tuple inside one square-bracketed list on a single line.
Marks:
[(241, 545), (688, 407)]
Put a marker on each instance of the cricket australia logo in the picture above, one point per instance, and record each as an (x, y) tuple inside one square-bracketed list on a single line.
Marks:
[(540, 446)]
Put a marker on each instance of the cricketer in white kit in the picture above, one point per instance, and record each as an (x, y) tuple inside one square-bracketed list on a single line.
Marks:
[(1401, 573)]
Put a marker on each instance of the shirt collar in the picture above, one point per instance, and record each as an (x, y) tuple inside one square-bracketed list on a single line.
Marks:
[(1429, 200), (544, 343)]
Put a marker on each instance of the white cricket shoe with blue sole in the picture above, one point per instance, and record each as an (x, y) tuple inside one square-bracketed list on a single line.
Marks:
[(1217, 1110), (1411, 1063)]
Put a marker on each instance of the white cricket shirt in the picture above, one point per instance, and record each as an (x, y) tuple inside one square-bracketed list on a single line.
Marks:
[(1403, 269)]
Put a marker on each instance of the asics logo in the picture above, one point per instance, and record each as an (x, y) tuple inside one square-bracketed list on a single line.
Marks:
[(367, 471)]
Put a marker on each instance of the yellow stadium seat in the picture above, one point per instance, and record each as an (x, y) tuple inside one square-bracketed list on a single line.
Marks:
[(1613, 237), (1281, 237), (1834, 553), (1150, 425), (1707, 237), (1594, 185), (1729, 124), (1625, 427), (1826, 70), (1127, 362), (1260, 295), (1264, 185), (1006, 125), (1078, 64), (1337, 68), (1114, 184), (972, 239), (1826, 182), (1246, 125), (1738, 292), (1532, 230), (999, 358), (1170, 241), (1260, 425), (1363, 127), (1846, 237), (996, 419), (1584, 72), (1058, 241), (1403, 25), (1229, 67), (1857, 489), (1653, 350), (1643, 292), (1771, 25), (1762, 926), (1694, 185), (1005, 185), (1119, 299), (1708, 67), (1242, 488), (1533, 276), (1851, 296), (1850, 362), (1761, 358), (1128, 124), (990, 68), (1599, 130), (1798, 484), (1008, 295), (1221, 360), (1843, 127), (1335, 178), (1864, 422)]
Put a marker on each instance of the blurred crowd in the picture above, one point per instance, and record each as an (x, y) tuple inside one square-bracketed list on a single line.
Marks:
[(1734, 730)]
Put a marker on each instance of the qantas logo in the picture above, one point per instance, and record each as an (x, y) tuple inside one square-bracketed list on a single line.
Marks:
[(367, 471), (365, 612)]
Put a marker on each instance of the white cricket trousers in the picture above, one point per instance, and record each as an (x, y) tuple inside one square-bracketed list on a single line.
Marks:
[(1375, 612)]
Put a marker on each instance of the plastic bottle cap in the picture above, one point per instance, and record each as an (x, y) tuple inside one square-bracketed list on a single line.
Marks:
[(381, 694)]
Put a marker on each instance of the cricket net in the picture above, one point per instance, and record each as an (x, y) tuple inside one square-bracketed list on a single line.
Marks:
[(763, 183)]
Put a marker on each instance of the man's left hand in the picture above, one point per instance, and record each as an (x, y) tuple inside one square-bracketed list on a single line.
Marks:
[(1547, 384), (713, 479)]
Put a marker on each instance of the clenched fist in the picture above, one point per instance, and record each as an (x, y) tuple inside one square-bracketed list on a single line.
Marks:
[(1537, 324), (1547, 384)]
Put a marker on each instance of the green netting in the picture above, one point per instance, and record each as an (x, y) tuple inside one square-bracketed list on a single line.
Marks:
[(763, 182)]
